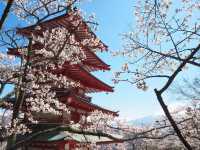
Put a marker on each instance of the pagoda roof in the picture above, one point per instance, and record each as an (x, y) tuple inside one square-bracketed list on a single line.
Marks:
[(68, 20), (80, 138), (57, 136), (79, 102), (90, 82), (93, 62)]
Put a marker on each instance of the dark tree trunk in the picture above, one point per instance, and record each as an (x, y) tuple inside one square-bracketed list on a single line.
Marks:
[(171, 120)]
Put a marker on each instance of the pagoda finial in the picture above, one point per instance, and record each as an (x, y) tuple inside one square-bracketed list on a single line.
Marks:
[(69, 5)]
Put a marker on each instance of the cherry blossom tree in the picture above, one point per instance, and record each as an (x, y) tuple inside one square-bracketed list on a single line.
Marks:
[(164, 42), (33, 73), (161, 54)]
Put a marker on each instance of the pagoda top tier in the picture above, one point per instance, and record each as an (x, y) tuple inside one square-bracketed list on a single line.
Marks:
[(72, 21)]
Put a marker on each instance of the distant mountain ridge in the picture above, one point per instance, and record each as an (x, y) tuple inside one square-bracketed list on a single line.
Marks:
[(144, 121)]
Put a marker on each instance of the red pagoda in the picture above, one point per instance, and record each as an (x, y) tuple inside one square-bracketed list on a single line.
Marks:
[(76, 98)]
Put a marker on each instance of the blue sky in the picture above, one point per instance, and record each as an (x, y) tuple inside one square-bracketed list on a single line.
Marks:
[(116, 17)]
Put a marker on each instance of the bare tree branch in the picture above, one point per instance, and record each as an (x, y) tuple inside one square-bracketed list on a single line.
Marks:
[(6, 12)]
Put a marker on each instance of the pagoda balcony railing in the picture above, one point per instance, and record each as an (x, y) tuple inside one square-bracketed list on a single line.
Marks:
[(84, 97)]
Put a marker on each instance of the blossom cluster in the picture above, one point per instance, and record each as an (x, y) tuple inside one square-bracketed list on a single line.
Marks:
[(40, 71), (99, 121), (59, 43), (34, 10), (164, 33), (8, 68)]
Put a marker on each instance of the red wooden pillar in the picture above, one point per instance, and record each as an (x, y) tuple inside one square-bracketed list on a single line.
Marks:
[(66, 145), (61, 145), (72, 145)]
